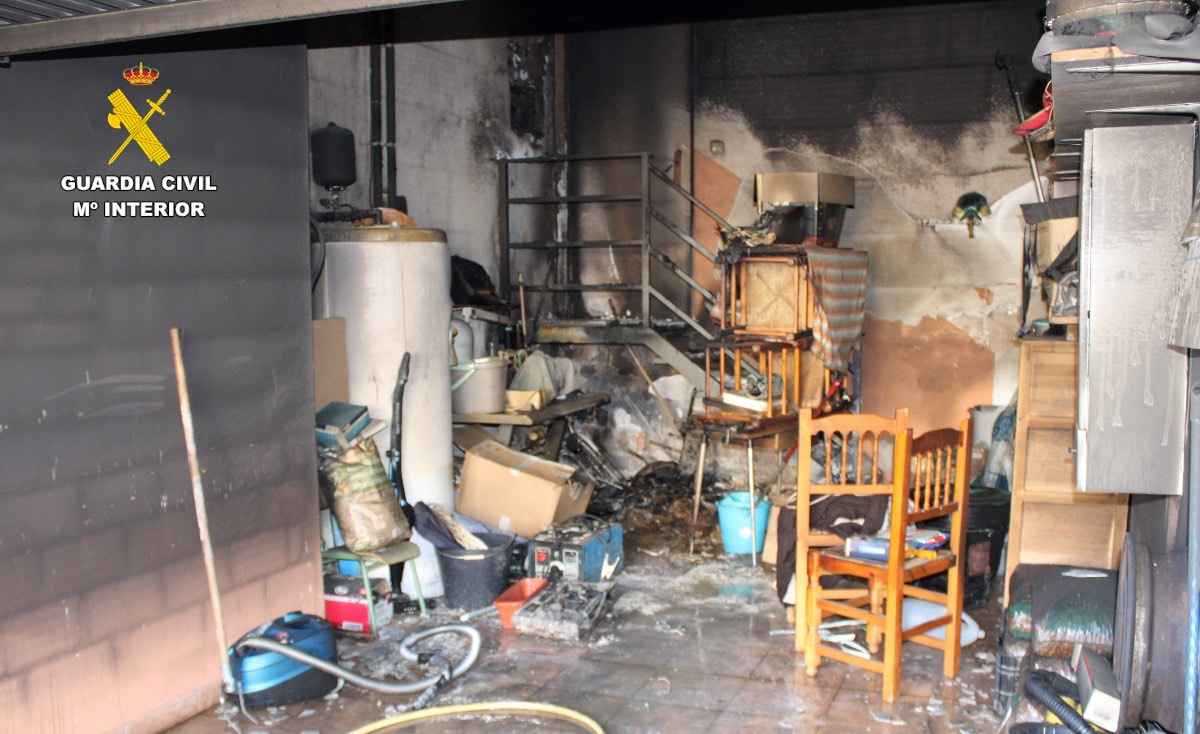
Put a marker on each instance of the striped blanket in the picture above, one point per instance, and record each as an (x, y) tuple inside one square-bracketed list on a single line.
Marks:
[(839, 282)]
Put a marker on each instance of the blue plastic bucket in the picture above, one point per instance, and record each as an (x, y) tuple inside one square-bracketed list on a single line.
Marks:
[(733, 513)]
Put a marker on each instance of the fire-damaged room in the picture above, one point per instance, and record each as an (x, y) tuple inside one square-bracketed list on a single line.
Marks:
[(481, 365)]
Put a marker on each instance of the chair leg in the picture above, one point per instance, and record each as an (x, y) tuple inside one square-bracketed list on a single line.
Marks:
[(874, 631), (412, 566), (800, 606), (954, 605), (812, 656), (892, 641)]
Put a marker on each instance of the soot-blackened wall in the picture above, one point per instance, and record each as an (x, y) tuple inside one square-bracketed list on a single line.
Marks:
[(104, 619)]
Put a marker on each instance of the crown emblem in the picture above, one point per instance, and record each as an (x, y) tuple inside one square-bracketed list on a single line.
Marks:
[(140, 76)]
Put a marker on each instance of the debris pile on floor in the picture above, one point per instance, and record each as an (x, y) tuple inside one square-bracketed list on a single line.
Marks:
[(658, 502)]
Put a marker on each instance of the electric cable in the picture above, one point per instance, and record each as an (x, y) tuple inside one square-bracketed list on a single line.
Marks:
[(512, 708)]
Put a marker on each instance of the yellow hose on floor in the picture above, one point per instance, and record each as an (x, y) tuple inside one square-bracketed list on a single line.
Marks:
[(518, 708)]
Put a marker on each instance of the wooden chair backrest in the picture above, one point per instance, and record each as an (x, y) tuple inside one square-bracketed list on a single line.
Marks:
[(938, 472), (858, 440)]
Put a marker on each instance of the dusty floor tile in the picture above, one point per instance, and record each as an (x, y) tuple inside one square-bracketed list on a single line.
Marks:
[(686, 648)]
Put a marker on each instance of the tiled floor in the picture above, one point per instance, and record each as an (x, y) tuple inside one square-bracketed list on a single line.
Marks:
[(686, 647)]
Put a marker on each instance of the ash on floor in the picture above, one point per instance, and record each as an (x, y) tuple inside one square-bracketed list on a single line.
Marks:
[(685, 646)]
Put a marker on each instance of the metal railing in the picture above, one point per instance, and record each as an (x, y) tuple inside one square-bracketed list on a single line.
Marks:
[(649, 250)]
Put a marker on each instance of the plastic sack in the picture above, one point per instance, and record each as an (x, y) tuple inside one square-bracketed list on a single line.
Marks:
[(918, 611), (1074, 606), (364, 500)]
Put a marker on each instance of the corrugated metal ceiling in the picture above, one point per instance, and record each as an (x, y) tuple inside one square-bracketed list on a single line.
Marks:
[(34, 11), (28, 26)]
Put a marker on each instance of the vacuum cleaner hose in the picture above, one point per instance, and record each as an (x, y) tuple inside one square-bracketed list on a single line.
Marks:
[(403, 687), (1047, 687)]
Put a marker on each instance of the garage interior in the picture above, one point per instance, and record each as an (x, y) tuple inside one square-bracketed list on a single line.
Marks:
[(571, 293)]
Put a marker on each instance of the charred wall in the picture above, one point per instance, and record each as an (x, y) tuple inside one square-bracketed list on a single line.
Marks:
[(460, 105), (909, 102), (105, 619), (815, 77)]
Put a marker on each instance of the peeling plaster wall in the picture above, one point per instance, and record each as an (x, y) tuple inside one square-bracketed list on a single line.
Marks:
[(453, 112)]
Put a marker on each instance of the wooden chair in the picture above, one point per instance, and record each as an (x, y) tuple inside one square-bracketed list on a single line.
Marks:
[(855, 441), (935, 486)]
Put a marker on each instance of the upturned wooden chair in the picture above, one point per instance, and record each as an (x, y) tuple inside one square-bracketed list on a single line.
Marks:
[(854, 448), (935, 486)]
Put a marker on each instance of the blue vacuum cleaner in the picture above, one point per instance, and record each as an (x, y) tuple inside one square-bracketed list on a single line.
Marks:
[(267, 678)]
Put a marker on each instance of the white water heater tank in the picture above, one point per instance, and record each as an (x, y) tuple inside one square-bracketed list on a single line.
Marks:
[(392, 286)]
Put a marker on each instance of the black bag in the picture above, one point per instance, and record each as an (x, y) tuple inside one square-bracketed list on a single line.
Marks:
[(470, 284)]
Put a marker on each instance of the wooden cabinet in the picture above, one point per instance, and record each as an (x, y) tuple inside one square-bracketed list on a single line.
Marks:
[(1050, 522)]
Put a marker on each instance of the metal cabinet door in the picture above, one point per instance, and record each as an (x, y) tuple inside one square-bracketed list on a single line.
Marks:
[(1136, 194)]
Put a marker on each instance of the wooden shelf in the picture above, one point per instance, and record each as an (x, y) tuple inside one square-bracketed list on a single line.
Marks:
[(1049, 521), (1051, 422), (556, 409)]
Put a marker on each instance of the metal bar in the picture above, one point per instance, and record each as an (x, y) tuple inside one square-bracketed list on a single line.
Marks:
[(646, 239), (577, 157), (680, 313), (708, 372), (1145, 67), (753, 514), (577, 199), (688, 195), (1192, 675), (678, 232), (504, 232), (572, 244), (575, 287), (694, 284)]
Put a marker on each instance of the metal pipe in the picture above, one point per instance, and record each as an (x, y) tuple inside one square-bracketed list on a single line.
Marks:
[(210, 566), (390, 199), (753, 514), (1004, 61), (376, 185), (1192, 679)]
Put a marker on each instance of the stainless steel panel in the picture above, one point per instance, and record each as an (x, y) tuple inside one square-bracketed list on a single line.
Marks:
[(1137, 191), (802, 187)]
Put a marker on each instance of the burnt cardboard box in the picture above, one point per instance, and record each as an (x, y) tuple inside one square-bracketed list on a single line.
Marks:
[(517, 492)]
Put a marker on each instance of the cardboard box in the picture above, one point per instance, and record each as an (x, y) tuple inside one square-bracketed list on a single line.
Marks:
[(346, 604), (517, 492), (516, 401), (331, 382)]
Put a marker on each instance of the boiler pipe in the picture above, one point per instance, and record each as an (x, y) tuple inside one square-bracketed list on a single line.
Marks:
[(1192, 678)]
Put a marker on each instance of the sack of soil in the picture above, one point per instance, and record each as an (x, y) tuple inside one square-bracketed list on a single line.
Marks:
[(364, 500)]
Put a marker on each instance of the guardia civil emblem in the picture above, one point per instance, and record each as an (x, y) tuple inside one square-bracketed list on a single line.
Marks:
[(125, 115)]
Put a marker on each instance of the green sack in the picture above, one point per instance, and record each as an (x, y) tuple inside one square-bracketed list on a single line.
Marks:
[(364, 500)]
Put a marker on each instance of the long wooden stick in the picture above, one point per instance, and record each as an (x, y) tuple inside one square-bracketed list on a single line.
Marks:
[(210, 567), (699, 485), (662, 403)]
